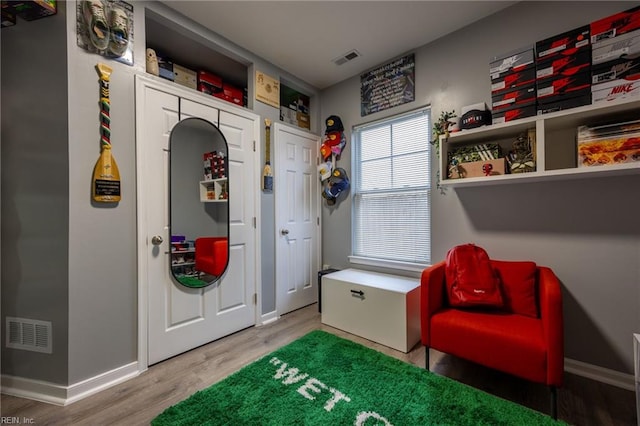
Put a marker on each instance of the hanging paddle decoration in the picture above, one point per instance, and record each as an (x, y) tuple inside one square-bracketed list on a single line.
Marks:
[(106, 177), (267, 175)]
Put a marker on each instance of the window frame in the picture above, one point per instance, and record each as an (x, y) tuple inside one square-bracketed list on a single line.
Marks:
[(355, 167)]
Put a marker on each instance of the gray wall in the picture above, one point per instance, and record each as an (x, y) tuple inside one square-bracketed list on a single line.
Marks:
[(586, 230), (35, 195)]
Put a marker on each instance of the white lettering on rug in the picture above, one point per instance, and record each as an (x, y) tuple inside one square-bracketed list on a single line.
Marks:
[(363, 416), (291, 375), (314, 386)]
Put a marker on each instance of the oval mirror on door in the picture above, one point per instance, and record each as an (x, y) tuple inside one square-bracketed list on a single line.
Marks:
[(199, 203)]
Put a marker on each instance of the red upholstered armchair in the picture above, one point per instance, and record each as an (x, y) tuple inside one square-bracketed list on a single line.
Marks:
[(525, 338), (211, 255)]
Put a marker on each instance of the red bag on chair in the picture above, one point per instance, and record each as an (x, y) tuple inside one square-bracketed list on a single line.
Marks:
[(470, 279)]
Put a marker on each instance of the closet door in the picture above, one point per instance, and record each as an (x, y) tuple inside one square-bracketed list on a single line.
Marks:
[(182, 318)]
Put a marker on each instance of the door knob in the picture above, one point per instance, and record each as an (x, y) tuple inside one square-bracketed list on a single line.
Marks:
[(156, 240), (284, 231)]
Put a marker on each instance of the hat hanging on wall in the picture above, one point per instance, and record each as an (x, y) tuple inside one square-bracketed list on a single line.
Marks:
[(334, 124)]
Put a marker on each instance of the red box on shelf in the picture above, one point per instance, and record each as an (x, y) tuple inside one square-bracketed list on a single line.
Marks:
[(565, 44), (209, 83), (230, 94), (615, 25)]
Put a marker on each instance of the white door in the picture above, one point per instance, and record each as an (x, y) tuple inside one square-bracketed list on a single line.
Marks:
[(297, 199), (182, 318)]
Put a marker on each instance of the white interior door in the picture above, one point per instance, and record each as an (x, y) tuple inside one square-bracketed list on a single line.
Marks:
[(182, 318), (297, 199)]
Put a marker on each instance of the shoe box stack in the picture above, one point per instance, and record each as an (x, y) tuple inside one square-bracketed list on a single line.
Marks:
[(595, 62), (563, 71), (513, 77), (615, 42), (203, 81)]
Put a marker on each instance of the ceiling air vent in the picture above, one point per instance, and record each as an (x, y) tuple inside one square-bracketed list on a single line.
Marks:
[(28, 334), (346, 57)]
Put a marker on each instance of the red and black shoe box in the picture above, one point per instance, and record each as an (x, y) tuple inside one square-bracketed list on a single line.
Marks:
[(521, 96), (615, 25), (628, 69), (511, 80), (568, 86), (565, 66), (209, 83), (565, 44), (583, 98), (510, 114)]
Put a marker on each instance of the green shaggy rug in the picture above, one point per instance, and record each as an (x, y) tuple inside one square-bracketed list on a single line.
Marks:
[(322, 379)]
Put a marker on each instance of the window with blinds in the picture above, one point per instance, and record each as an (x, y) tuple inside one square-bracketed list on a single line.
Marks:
[(391, 189)]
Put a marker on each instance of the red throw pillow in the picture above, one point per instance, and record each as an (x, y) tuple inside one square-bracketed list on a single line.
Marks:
[(470, 279), (518, 286)]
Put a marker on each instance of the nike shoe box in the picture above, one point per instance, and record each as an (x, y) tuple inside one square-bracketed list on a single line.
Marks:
[(521, 96), (209, 83), (624, 68), (615, 25), (504, 82), (568, 43), (510, 62), (560, 103), (615, 89), (509, 114), (564, 66), (556, 89), (626, 45)]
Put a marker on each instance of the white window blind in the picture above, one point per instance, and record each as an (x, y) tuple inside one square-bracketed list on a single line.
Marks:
[(392, 185)]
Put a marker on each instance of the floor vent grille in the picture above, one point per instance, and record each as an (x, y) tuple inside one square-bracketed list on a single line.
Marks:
[(29, 335)]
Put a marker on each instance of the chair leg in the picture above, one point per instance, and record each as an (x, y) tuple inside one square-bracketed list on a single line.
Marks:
[(426, 357), (554, 402)]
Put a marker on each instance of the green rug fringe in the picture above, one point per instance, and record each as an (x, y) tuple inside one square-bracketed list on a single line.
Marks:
[(389, 390)]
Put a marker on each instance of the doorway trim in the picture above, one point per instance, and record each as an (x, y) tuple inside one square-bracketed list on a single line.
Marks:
[(278, 181), (142, 82)]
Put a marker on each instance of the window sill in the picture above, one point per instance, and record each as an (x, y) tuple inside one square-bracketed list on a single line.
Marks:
[(388, 264)]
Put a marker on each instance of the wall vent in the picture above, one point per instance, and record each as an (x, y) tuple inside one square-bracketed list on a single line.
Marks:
[(346, 57), (29, 335)]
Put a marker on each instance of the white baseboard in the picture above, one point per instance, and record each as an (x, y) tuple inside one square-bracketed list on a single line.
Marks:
[(600, 374), (64, 395), (268, 318)]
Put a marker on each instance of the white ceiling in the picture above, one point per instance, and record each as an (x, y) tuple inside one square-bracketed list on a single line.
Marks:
[(304, 37)]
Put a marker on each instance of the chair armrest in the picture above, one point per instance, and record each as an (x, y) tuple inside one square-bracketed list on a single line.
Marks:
[(431, 297), (551, 315)]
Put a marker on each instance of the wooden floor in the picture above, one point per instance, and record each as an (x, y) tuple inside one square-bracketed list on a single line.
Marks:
[(136, 402)]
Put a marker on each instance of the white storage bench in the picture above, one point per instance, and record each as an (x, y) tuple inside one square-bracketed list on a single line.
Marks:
[(380, 307)]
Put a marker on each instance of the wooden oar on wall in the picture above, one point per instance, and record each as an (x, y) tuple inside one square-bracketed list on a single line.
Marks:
[(106, 176), (267, 175)]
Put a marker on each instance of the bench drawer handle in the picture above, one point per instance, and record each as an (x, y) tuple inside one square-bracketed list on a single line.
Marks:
[(358, 293)]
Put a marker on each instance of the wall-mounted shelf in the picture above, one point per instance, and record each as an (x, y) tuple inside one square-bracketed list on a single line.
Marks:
[(211, 190), (556, 152)]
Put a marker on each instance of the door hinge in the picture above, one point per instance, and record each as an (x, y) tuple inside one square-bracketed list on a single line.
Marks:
[(255, 298), (255, 223), (317, 161), (318, 221), (254, 146)]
